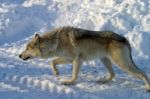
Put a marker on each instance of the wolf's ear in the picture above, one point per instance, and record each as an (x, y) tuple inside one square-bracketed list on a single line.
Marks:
[(37, 35), (37, 38)]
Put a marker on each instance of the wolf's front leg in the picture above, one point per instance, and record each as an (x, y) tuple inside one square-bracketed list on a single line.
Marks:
[(75, 71), (55, 62)]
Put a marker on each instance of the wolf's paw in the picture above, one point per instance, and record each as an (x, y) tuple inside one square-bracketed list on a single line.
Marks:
[(103, 80), (67, 82)]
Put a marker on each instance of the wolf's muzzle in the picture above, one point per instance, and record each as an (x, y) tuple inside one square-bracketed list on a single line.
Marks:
[(26, 58), (20, 56)]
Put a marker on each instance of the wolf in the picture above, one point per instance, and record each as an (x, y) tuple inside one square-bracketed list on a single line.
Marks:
[(75, 45)]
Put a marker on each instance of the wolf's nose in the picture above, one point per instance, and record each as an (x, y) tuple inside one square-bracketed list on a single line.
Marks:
[(20, 56)]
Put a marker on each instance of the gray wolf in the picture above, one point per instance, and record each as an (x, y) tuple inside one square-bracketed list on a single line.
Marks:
[(75, 45)]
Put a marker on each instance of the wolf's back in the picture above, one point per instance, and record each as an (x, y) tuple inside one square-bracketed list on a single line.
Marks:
[(113, 36), (81, 33)]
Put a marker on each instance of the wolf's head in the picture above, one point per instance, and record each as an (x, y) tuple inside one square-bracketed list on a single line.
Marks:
[(40, 47), (32, 49)]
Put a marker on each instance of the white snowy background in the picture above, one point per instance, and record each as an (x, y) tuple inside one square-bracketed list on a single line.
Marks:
[(33, 79)]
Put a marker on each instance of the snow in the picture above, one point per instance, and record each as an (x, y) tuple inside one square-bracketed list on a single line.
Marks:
[(33, 79)]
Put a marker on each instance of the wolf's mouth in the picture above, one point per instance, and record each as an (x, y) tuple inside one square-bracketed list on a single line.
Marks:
[(26, 58)]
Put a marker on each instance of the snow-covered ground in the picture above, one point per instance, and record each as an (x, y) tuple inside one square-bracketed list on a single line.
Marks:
[(20, 19)]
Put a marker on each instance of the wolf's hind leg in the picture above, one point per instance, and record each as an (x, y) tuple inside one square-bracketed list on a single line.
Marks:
[(122, 57), (55, 62), (107, 63)]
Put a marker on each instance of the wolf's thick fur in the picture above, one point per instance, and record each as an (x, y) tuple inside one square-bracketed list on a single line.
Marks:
[(75, 45)]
